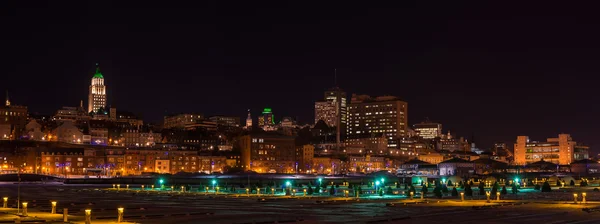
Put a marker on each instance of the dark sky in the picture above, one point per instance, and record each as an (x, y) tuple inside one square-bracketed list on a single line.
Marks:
[(492, 71)]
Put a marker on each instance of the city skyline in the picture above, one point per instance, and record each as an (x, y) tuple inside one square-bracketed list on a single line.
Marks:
[(479, 82)]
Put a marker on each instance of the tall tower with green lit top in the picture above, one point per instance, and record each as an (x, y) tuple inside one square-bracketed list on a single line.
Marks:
[(266, 120), (97, 95)]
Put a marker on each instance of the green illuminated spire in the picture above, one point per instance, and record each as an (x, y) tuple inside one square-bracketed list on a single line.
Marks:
[(98, 74)]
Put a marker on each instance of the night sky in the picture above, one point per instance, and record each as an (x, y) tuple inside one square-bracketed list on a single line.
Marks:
[(492, 71)]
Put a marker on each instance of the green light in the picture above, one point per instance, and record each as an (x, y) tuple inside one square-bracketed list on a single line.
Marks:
[(267, 110), (214, 182), (443, 180), (98, 74), (382, 180), (517, 180), (376, 183), (288, 183), (320, 179), (161, 181)]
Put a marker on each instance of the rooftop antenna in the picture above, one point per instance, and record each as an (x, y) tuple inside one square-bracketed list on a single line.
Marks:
[(335, 77)]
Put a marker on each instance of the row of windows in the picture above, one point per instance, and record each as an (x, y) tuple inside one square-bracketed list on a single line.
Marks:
[(11, 113), (66, 159), (254, 140)]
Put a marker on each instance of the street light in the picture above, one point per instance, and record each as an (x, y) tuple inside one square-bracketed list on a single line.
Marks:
[(120, 214), (88, 216), (53, 207), (25, 208), (575, 198)]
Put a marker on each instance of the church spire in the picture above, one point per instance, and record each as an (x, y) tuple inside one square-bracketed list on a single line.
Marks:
[(7, 103)]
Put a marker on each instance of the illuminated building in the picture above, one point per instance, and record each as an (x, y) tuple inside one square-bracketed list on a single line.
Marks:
[(72, 114), (386, 115), (456, 166), (69, 133), (304, 157), (126, 117), (451, 144), (13, 119), (98, 131), (432, 158), (249, 121), (371, 145), (333, 111), (70, 161), (366, 164), (326, 165), (581, 152), (34, 131), (181, 120), (428, 130), (97, 95), (266, 120), (501, 149), (555, 150), (268, 153), (326, 112), (225, 121), (140, 137)]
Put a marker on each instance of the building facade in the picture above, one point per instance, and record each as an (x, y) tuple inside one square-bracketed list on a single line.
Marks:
[(182, 120), (428, 130), (97, 94), (304, 157), (326, 111), (12, 121), (386, 115), (267, 153), (266, 120), (555, 150), (226, 121)]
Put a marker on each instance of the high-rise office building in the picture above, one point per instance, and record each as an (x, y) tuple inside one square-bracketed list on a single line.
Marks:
[(325, 111), (386, 115), (555, 150), (97, 95), (333, 111)]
